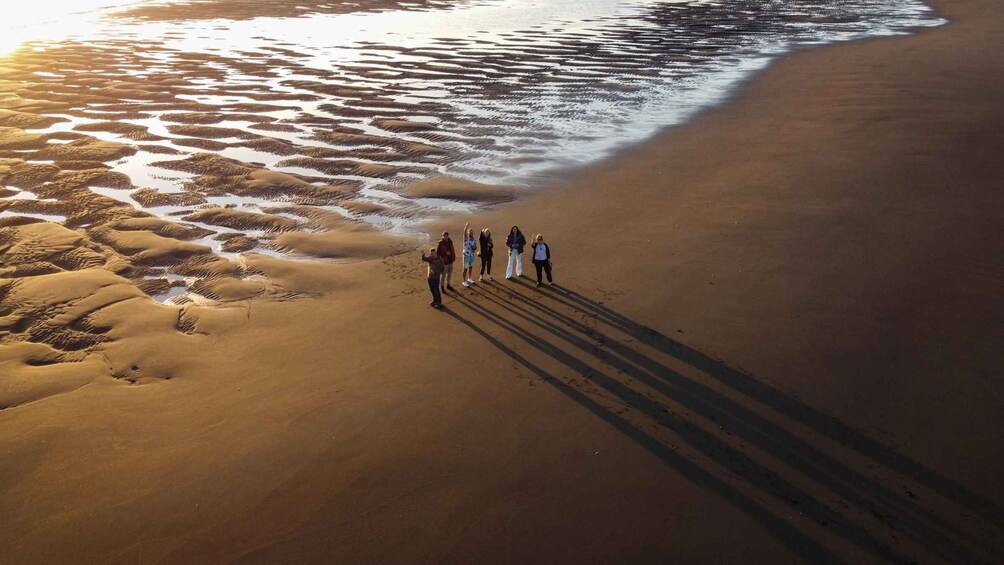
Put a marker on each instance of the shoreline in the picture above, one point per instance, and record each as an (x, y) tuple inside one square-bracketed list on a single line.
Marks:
[(780, 349), (279, 138), (558, 176)]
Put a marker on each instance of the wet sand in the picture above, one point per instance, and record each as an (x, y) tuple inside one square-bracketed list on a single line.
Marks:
[(781, 347)]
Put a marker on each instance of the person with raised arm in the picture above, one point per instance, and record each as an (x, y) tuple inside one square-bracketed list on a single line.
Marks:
[(470, 251), (487, 249)]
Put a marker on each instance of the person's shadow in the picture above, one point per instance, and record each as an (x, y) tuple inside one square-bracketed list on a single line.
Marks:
[(806, 477)]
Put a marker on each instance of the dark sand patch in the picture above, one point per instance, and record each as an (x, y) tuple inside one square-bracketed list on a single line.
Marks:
[(208, 132), (241, 220), (81, 165), (207, 164), (16, 172), (276, 127), (94, 177), (363, 207), (150, 197), (161, 227), (15, 102), (357, 139), (204, 144), (458, 189), (346, 167), (350, 242), (237, 243), (271, 145), (146, 247), (402, 125), (122, 128), (159, 149), (86, 149), (16, 139), (25, 120)]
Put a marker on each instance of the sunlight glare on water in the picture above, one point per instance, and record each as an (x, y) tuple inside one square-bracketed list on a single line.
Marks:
[(50, 19)]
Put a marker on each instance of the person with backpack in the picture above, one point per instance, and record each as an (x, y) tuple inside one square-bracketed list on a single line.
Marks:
[(448, 254), (434, 273), (541, 258), (515, 242), (487, 249)]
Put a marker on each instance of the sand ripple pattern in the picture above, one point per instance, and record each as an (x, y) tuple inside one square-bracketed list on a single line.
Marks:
[(167, 134)]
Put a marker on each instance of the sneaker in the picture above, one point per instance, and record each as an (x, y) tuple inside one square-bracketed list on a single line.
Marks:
[(489, 277), (470, 281), (466, 284), (481, 279), (437, 305)]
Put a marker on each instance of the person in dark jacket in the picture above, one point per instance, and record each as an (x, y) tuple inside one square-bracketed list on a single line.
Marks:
[(515, 242), (448, 254), (487, 249), (541, 258), (434, 273)]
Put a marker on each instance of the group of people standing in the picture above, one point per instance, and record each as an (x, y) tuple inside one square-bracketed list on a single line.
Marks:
[(442, 257)]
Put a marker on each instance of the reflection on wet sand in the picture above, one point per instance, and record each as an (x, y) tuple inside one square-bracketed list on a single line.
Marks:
[(169, 139)]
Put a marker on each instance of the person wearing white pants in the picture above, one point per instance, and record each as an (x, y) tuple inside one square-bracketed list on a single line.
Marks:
[(515, 242)]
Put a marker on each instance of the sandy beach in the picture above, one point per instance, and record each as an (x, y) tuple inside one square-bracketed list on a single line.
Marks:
[(783, 346)]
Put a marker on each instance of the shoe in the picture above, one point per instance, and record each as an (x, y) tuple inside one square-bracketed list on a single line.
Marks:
[(437, 305), (470, 281), (449, 287), (442, 289), (433, 303), (489, 277), (466, 284), (538, 285), (481, 279)]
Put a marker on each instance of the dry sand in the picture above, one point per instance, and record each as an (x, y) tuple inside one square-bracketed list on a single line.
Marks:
[(782, 346)]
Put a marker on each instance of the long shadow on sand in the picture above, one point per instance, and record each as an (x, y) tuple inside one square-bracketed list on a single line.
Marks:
[(738, 437)]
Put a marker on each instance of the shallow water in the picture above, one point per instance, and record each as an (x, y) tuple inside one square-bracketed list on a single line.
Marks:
[(56, 218), (506, 91)]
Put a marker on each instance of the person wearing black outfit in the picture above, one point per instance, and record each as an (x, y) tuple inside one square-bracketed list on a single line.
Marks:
[(435, 271), (486, 251), (515, 242), (541, 258)]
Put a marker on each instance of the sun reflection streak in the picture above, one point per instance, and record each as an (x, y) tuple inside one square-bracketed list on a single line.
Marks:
[(50, 19)]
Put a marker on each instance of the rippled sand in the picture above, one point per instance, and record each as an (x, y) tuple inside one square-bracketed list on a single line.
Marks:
[(172, 139)]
